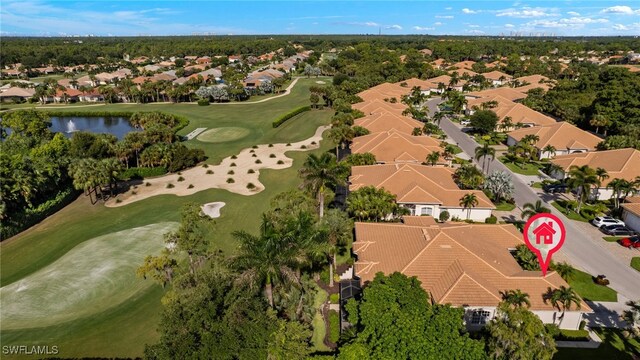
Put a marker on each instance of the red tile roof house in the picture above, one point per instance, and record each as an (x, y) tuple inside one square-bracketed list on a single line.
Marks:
[(564, 137), (464, 265), (67, 95), (424, 190)]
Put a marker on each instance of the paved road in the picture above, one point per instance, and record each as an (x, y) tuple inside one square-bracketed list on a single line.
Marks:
[(582, 249)]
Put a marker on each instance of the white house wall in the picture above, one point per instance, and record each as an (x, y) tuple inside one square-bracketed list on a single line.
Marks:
[(570, 321), (475, 214), (631, 220)]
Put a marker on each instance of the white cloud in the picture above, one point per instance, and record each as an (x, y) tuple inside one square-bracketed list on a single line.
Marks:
[(524, 13), (509, 26), (469, 11), (393, 27), (573, 13), (574, 22), (448, 8), (475, 32), (474, 26), (423, 28), (621, 27), (438, 23), (620, 9), (444, 16), (366, 23)]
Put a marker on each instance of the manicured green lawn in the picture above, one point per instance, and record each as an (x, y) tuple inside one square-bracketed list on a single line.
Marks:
[(122, 330), (319, 328), (456, 149), (614, 346), (635, 263), (505, 206), (570, 214), (612, 238), (537, 185), (526, 169), (582, 283)]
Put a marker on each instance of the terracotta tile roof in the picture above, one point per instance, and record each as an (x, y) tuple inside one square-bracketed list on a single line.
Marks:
[(633, 208), (464, 64), (415, 184), (505, 92), (377, 106), (386, 120), (632, 199), (445, 79), (533, 79), (461, 72), (69, 92), (620, 163), (422, 84), (496, 75), (393, 146), (461, 265), (18, 92), (561, 135), (521, 113), (384, 91), (419, 220)]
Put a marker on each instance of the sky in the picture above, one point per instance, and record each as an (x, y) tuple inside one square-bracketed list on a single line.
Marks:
[(452, 17)]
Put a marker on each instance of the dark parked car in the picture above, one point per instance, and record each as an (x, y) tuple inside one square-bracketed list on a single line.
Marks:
[(633, 241), (617, 230), (555, 188)]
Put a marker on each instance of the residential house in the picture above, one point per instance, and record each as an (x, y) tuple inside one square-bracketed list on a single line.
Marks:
[(424, 85), (619, 163), (631, 213), (15, 93), (464, 265), (497, 78), (439, 63), (235, 58), (426, 52), (396, 147), (463, 72), (564, 137), (386, 121), (504, 108), (423, 190), (384, 91), (67, 95), (505, 92), (379, 105), (468, 64), (91, 95), (203, 60)]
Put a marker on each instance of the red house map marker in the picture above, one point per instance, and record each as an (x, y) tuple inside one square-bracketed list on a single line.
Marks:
[(544, 234)]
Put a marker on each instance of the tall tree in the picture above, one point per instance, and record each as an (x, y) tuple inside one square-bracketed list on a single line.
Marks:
[(582, 178), (563, 298), (339, 231), (395, 320), (469, 201), (529, 209), (484, 152), (516, 298), (517, 333), (320, 173)]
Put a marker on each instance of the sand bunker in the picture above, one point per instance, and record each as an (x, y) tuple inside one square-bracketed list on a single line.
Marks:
[(239, 175), (212, 209), (223, 134)]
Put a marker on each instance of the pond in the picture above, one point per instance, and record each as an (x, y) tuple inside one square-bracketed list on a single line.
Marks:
[(118, 126)]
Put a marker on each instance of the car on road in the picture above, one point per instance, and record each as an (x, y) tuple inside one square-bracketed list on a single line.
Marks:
[(617, 230), (555, 188), (601, 221), (630, 242)]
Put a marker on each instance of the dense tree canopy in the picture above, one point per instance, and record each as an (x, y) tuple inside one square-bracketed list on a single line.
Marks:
[(396, 320)]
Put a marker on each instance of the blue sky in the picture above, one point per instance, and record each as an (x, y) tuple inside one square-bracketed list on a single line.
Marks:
[(105, 18)]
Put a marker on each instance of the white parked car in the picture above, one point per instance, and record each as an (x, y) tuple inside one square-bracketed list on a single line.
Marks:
[(465, 122), (601, 221)]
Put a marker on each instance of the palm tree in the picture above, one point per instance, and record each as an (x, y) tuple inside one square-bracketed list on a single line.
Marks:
[(582, 178), (469, 201), (264, 259), (432, 159), (516, 298), (320, 173), (529, 209), (602, 174), (619, 187), (530, 139), (563, 298), (341, 135), (339, 231), (550, 149), (564, 269), (599, 120), (437, 117), (507, 123), (484, 152)]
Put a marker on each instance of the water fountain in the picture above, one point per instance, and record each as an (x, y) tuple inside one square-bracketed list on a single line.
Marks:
[(71, 127)]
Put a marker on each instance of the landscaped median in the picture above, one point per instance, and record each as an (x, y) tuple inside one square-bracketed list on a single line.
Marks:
[(635, 263)]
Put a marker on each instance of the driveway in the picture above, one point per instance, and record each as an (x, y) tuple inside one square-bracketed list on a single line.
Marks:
[(583, 247)]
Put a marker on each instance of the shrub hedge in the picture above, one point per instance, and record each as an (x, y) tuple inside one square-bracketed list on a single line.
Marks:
[(289, 115), (32, 216), (142, 172), (334, 326)]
